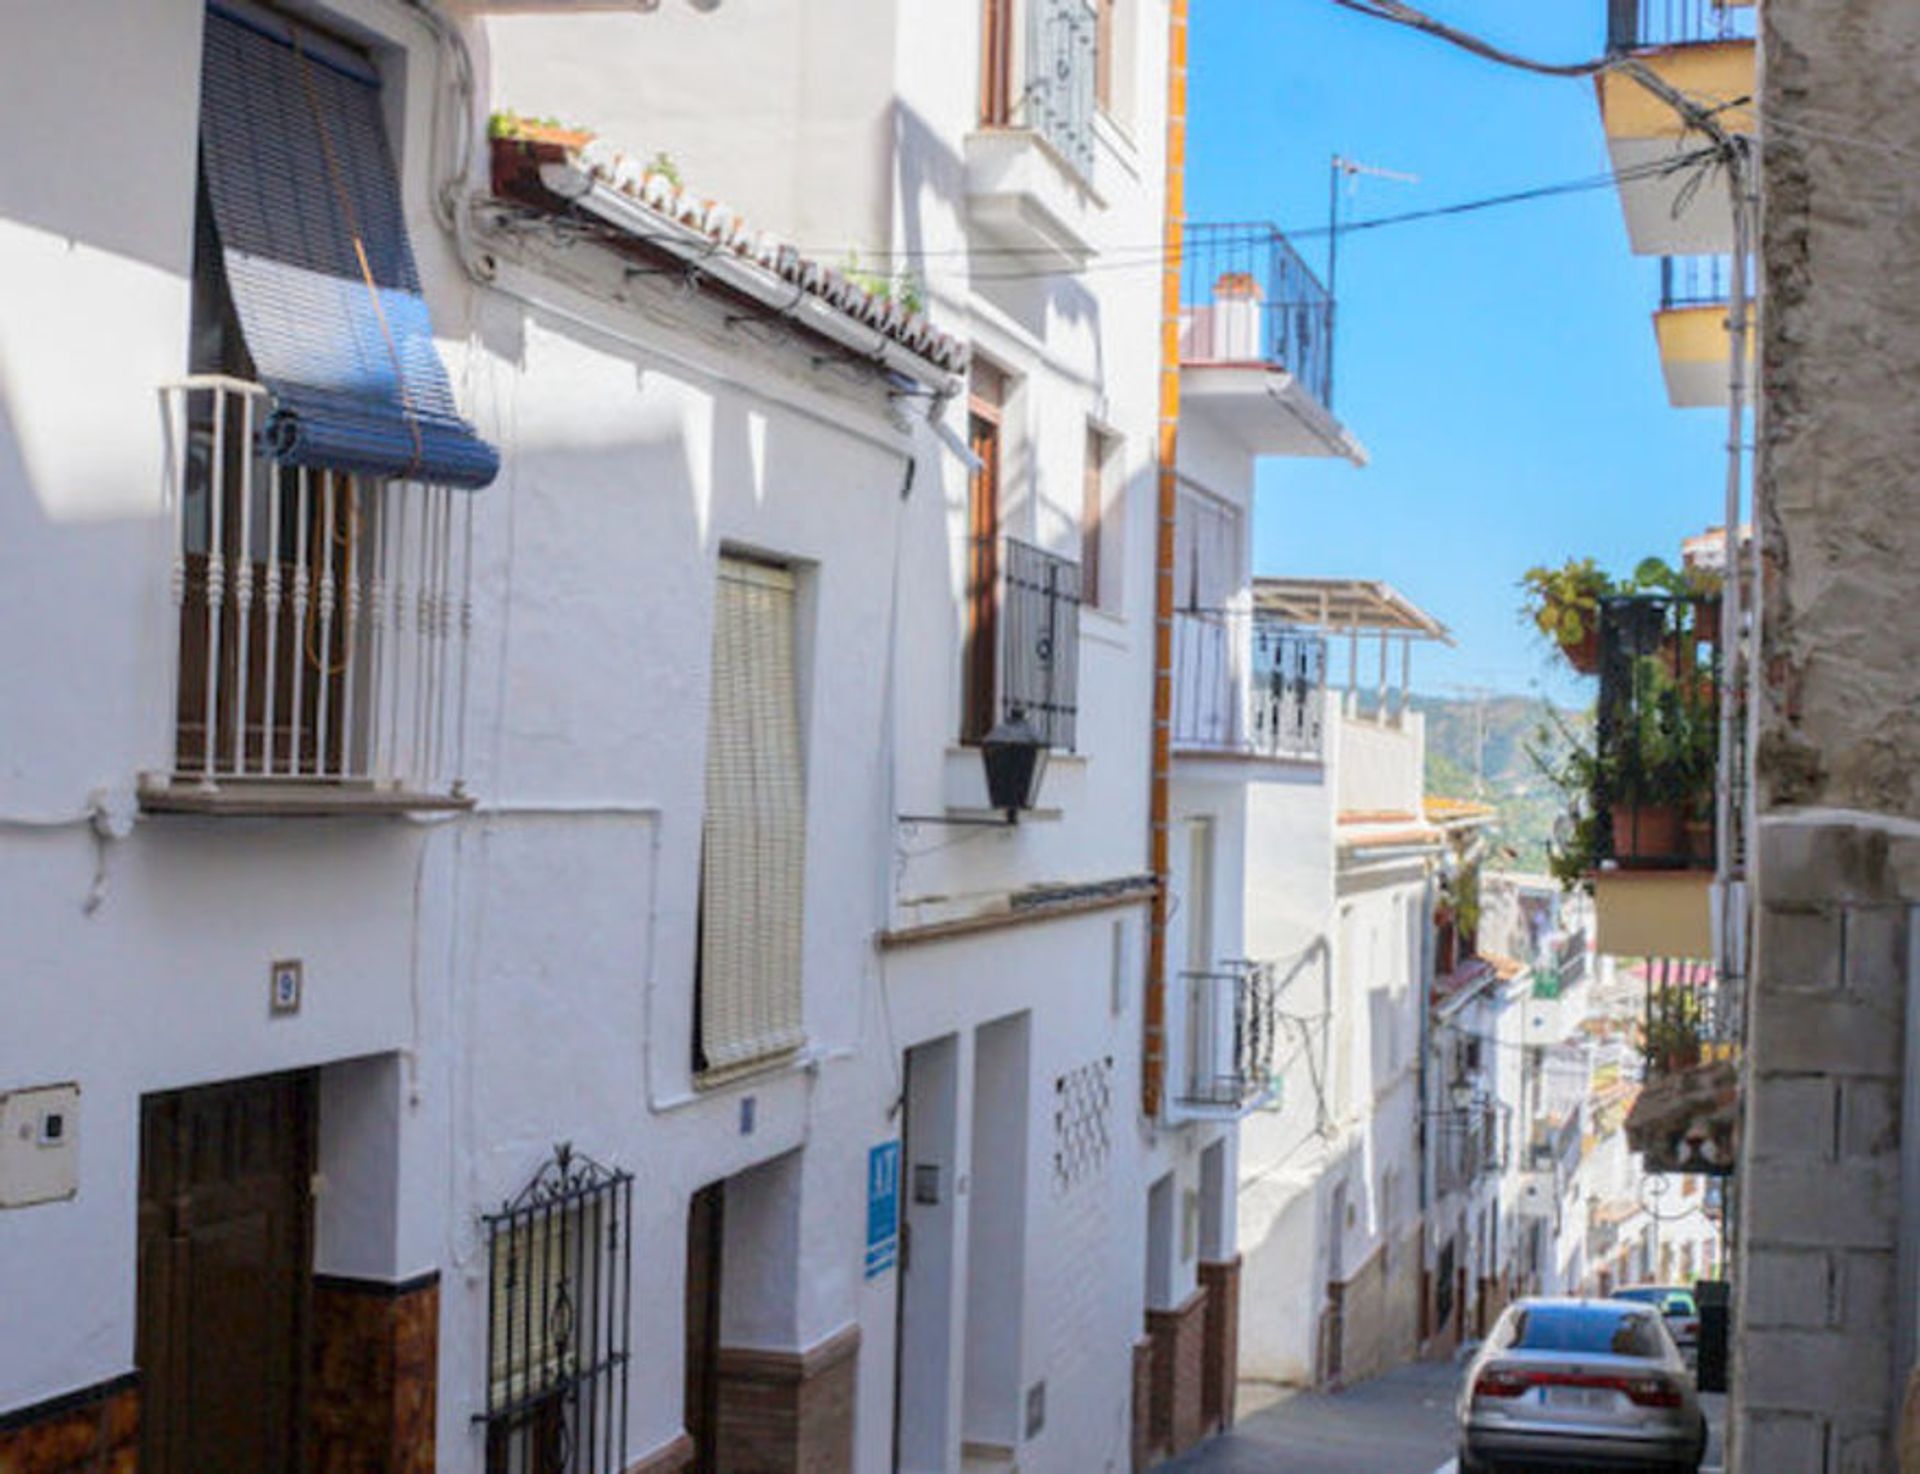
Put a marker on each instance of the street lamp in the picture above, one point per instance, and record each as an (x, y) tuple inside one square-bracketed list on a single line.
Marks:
[(1015, 757)]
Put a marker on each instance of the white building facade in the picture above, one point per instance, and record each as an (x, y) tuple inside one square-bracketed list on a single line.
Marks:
[(514, 941)]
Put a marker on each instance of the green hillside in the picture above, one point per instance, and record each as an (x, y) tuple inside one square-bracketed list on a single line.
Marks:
[(1478, 748)]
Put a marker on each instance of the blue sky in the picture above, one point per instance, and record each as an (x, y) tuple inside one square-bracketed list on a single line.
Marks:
[(1500, 367)]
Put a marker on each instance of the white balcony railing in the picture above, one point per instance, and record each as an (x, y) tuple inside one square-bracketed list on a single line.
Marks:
[(324, 618), (1246, 683)]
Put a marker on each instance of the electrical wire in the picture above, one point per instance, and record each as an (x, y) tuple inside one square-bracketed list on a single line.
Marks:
[(1396, 12)]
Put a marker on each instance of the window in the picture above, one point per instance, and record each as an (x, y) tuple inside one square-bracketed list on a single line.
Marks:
[(559, 1279), (985, 406), (1206, 550), (320, 569), (753, 852), (1104, 41), (996, 63), (1022, 636), (1100, 523)]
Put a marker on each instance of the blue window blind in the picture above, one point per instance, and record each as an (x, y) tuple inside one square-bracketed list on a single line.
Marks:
[(306, 202)]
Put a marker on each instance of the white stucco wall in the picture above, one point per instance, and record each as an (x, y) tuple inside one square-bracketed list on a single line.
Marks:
[(481, 987)]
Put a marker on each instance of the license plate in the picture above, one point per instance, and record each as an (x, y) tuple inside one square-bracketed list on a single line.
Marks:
[(1582, 1398)]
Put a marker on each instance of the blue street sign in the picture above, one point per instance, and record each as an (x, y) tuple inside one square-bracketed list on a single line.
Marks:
[(883, 1207)]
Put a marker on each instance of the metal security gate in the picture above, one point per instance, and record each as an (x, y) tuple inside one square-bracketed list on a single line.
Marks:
[(559, 1302)]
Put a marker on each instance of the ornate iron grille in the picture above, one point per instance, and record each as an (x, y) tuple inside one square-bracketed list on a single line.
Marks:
[(1689, 1017), (1246, 682), (1246, 296), (559, 1302), (1082, 1113), (1657, 731), (1636, 23), (1231, 1023), (1467, 1145), (1061, 77), (1040, 641)]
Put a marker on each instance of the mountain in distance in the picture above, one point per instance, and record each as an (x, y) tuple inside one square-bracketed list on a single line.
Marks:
[(1478, 748)]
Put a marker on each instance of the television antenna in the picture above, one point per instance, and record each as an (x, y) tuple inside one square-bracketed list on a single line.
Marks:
[(1350, 172)]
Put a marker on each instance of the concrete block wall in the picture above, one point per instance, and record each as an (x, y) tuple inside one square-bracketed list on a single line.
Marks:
[(1816, 1370)]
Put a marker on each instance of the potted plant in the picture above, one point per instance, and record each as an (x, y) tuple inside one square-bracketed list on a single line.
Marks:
[(509, 126), (1655, 774), (1564, 605), (1673, 1033)]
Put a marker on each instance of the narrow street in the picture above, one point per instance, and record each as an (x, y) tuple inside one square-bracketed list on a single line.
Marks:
[(1400, 1423)]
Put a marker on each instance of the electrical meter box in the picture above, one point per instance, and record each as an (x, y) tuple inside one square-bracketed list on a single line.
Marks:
[(39, 1145)]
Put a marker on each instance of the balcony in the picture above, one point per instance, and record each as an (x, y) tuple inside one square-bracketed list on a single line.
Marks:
[(1223, 1041), (1656, 751), (1248, 685), (1030, 166), (1693, 330), (323, 625), (1467, 1146), (1256, 343), (1686, 1117), (1037, 614), (1705, 49)]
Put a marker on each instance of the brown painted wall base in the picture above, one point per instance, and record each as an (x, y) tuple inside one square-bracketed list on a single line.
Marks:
[(1220, 1343), (93, 1431), (1178, 1346), (375, 1360), (787, 1412), (1145, 1454), (670, 1458)]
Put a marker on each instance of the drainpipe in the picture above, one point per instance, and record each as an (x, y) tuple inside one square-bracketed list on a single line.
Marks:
[(1153, 1063)]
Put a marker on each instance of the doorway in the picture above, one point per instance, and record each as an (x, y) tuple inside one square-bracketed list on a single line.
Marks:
[(923, 1342), (223, 1337), (706, 1230)]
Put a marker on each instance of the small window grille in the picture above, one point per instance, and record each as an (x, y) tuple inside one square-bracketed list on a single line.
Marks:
[(1082, 1137), (559, 1297)]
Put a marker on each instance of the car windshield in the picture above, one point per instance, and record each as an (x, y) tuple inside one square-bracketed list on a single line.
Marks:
[(1603, 1329), (1671, 1302)]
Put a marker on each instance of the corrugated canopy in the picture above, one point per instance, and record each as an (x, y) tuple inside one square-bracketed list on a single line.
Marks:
[(1345, 604), (306, 202)]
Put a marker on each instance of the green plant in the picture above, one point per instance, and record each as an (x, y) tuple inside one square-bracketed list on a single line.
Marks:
[(662, 164), (904, 286), (506, 123), (1666, 744), (1564, 602)]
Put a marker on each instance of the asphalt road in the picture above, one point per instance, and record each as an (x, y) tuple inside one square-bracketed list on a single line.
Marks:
[(1401, 1423)]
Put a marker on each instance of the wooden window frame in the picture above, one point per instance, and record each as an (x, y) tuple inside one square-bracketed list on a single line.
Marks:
[(979, 700), (996, 63)]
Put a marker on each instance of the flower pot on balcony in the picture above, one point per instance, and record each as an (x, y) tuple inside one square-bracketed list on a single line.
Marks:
[(1647, 832), (1583, 654)]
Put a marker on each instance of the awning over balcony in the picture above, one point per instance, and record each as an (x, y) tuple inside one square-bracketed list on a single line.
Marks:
[(306, 203)]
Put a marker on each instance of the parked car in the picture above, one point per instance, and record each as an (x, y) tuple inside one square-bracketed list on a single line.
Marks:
[(1564, 1383), (1676, 1303)]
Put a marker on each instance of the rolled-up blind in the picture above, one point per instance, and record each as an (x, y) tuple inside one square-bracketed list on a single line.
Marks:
[(754, 856), (306, 203)]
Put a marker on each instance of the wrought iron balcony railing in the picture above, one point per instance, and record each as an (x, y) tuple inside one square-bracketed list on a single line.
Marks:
[(1229, 1020), (1690, 1017), (1039, 619), (1245, 682), (323, 618), (1656, 732), (1698, 281), (1467, 1145), (1247, 297), (1632, 24)]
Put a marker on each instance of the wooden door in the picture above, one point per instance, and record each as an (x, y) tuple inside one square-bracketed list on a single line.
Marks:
[(983, 578), (225, 1249), (705, 1226)]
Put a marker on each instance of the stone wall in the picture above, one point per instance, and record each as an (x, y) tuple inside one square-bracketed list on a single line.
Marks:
[(1840, 424), (1818, 1368), (1175, 1420), (1220, 1343), (1816, 1372)]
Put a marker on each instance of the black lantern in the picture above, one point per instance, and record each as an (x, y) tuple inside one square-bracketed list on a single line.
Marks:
[(1016, 759)]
